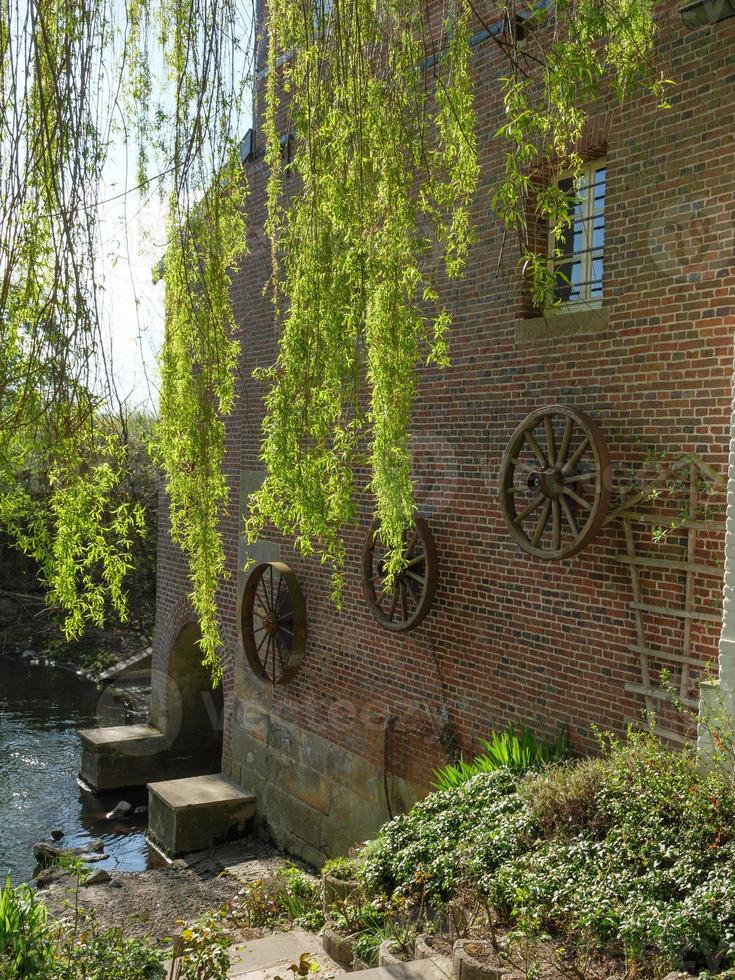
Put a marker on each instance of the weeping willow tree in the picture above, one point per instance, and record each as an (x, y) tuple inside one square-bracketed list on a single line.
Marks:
[(378, 96)]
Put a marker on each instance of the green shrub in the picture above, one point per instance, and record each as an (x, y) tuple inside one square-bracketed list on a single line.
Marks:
[(424, 852), (632, 853), (103, 954), (518, 751), (289, 896), (342, 868)]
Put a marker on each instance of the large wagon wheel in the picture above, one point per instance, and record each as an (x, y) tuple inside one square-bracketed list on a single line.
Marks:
[(554, 482), (407, 602), (273, 619)]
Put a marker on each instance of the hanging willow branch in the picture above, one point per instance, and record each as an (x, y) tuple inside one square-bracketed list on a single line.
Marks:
[(385, 165), (175, 74), (377, 219), (372, 223)]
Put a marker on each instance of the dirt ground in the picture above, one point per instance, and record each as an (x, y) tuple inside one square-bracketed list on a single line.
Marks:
[(155, 903)]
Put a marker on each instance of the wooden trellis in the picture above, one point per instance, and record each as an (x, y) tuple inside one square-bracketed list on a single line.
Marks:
[(687, 475)]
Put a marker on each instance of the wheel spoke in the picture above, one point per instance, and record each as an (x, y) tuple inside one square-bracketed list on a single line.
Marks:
[(264, 595), (577, 455), (569, 515), (537, 451), (575, 496), (411, 543), (523, 467), (529, 508), (556, 527), (415, 577), (541, 523), (392, 612), (565, 442), (277, 606), (415, 561), (258, 648), (576, 477), (280, 655), (550, 444)]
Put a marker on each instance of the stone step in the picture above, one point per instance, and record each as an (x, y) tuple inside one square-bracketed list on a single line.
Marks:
[(414, 970), (122, 756), (197, 812), (271, 956)]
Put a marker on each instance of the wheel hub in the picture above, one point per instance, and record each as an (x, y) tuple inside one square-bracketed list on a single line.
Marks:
[(549, 482)]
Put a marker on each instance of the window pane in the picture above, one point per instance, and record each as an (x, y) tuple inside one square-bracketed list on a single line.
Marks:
[(600, 181), (596, 285), (568, 276), (579, 264), (598, 233)]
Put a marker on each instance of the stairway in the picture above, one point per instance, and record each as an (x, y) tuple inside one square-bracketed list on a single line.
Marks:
[(271, 956)]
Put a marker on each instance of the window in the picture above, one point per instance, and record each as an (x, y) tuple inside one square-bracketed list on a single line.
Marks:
[(579, 266)]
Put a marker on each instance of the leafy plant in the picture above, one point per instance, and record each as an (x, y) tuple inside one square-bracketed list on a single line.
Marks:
[(342, 868), (25, 943), (204, 950), (289, 896), (519, 751)]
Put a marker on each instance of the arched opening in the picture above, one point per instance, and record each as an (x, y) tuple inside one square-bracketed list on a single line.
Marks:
[(187, 709)]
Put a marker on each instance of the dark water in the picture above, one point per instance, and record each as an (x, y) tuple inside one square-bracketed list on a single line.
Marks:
[(41, 711)]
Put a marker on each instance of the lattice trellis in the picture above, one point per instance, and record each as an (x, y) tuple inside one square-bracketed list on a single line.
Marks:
[(682, 501)]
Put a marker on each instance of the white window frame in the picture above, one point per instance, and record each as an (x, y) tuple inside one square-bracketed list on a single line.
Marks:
[(585, 300)]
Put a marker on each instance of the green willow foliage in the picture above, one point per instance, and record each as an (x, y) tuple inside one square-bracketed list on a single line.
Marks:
[(198, 365), (384, 173), (567, 55), (175, 74), (369, 215)]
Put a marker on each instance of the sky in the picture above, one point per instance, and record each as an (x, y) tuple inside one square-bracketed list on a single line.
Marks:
[(132, 242)]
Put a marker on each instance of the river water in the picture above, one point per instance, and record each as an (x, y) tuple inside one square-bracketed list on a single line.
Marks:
[(41, 711)]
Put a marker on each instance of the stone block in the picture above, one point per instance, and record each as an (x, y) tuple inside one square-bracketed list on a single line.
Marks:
[(287, 814), (122, 757), (195, 813)]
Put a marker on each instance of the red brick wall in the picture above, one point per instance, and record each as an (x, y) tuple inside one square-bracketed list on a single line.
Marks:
[(509, 636)]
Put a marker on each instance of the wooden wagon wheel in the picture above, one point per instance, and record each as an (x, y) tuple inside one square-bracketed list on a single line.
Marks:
[(554, 482), (273, 619), (409, 599)]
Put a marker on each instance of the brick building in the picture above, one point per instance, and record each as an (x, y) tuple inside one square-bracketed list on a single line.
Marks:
[(356, 733)]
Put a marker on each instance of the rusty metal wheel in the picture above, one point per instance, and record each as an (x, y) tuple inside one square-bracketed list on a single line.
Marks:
[(273, 620), (554, 482), (408, 601)]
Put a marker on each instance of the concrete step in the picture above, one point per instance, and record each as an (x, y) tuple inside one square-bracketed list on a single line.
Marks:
[(415, 970), (197, 812), (263, 959)]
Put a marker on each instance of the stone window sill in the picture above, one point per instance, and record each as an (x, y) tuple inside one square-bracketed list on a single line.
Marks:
[(576, 323)]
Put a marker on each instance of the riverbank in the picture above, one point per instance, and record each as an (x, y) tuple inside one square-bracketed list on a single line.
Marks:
[(152, 904)]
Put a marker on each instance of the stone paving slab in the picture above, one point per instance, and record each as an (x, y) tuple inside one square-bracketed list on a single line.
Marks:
[(416, 970), (264, 958)]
